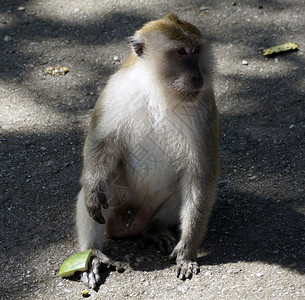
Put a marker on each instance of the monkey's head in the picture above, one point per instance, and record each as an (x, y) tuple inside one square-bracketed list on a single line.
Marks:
[(175, 50)]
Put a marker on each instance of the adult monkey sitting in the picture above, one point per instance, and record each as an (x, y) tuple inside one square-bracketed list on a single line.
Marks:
[(154, 133)]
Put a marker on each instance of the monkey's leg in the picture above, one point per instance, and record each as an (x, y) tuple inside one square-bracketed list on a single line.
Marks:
[(195, 212), (100, 161), (91, 236)]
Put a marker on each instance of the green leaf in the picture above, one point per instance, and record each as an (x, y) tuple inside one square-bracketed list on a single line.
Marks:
[(77, 262), (280, 48)]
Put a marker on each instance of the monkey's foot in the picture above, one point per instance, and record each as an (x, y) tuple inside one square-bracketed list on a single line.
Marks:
[(186, 266), (186, 269), (162, 237), (99, 263)]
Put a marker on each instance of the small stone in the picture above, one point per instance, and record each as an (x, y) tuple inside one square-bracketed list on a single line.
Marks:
[(128, 257), (7, 38), (115, 58), (85, 293), (183, 288), (139, 259), (119, 269), (223, 182), (21, 8), (244, 62), (259, 275)]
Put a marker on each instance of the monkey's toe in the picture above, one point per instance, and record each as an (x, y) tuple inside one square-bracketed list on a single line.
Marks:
[(186, 269), (92, 278)]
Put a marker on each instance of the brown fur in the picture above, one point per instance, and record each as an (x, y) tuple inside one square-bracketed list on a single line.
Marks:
[(154, 134)]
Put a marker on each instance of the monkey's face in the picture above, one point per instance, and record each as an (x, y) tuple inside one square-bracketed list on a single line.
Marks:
[(176, 56), (181, 70)]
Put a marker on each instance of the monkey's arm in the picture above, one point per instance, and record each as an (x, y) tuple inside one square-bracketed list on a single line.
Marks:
[(101, 156), (198, 196)]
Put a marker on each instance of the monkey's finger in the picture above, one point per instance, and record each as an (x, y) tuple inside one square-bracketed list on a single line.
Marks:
[(92, 283), (84, 278), (105, 205), (102, 198), (99, 219)]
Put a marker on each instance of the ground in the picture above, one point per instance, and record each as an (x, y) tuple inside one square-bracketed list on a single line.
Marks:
[(256, 239)]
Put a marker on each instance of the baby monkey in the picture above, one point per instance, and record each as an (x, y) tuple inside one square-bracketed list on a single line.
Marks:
[(151, 157)]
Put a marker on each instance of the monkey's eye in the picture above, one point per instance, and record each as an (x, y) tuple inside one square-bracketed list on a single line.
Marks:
[(181, 51), (196, 50)]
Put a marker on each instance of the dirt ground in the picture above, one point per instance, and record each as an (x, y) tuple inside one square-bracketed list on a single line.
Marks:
[(256, 241)]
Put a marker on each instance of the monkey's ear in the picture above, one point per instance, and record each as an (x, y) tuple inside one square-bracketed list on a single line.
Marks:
[(137, 44)]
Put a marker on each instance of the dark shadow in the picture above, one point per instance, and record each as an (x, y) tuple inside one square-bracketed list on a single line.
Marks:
[(249, 228)]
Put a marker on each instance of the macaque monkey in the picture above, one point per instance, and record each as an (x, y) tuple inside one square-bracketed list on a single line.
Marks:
[(151, 157)]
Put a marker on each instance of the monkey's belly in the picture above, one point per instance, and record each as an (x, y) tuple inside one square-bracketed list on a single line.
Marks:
[(127, 220)]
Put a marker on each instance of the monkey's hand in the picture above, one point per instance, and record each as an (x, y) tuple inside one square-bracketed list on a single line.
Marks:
[(99, 262), (94, 201), (186, 265)]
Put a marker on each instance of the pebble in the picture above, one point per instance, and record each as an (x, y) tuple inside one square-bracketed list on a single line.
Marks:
[(128, 257), (223, 182), (115, 58), (139, 259), (208, 273), (183, 288), (244, 62), (7, 38), (120, 269), (204, 8)]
